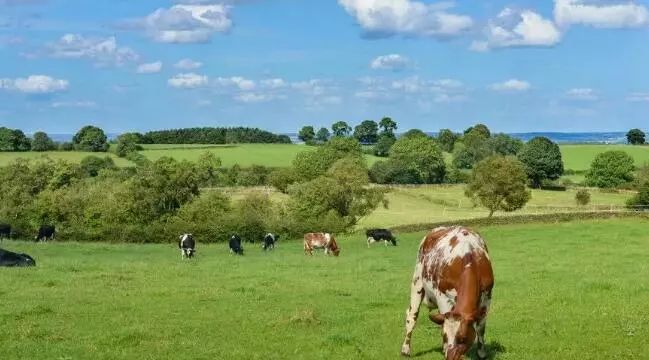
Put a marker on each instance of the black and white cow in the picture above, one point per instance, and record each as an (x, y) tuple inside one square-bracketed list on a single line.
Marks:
[(46, 232), (5, 231), (11, 259), (235, 245), (269, 241), (187, 246), (376, 235)]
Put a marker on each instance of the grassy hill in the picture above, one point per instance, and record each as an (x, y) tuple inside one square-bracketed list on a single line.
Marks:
[(579, 157)]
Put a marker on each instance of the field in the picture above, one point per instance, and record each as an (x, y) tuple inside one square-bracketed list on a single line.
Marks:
[(563, 291), (579, 157)]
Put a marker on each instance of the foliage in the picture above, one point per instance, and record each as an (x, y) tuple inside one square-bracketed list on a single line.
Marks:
[(394, 172), (207, 166), (383, 146), (13, 140), (210, 135), (635, 137), (42, 142), (309, 165), (323, 135), (503, 144), (421, 154), (128, 143), (413, 133), (499, 183), (388, 126), (472, 148), (446, 140), (91, 165), (542, 160), (66, 146), (90, 138), (479, 129), (582, 197), (610, 169), (367, 132), (282, 178), (306, 134), (341, 129), (641, 199)]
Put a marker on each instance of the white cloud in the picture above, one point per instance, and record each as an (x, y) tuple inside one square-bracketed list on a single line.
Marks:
[(35, 84), (512, 85), (582, 94), (618, 14), (250, 97), (406, 17), (150, 68), (74, 104), (188, 23), (638, 97), (102, 51), (313, 87), (390, 62), (274, 83), (513, 28), (238, 82), (188, 64), (188, 81)]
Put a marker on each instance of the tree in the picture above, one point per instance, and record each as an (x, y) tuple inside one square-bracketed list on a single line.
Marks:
[(91, 165), (499, 183), (310, 164), (367, 132), (421, 154), (635, 137), (446, 140), (503, 144), (473, 148), (394, 172), (542, 160), (387, 125), (480, 129), (13, 140), (341, 128), (127, 143), (610, 169), (306, 134), (323, 135), (42, 142), (383, 146), (582, 197), (90, 138), (414, 133), (207, 165), (282, 178)]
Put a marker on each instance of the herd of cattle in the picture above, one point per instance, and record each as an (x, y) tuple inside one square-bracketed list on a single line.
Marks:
[(453, 277)]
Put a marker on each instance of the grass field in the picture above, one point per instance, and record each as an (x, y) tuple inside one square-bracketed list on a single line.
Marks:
[(579, 157), (563, 291)]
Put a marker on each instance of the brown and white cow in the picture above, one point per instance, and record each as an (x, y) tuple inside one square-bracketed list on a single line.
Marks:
[(453, 274), (324, 241)]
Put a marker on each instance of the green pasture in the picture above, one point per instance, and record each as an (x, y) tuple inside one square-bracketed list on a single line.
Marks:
[(563, 291), (579, 157)]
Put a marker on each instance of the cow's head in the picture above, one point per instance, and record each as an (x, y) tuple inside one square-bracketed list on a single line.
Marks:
[(458, 333), (336, 251)]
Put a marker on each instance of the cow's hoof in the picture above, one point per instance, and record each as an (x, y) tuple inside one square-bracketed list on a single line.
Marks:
[(405, 351), (405, 354)]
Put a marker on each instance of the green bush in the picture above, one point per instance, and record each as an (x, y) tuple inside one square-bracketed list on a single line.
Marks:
[(42, 142), (641, 199), (582, 197), (394, 172), (92, 165), (421, 154), (282, 178), (610, 169)]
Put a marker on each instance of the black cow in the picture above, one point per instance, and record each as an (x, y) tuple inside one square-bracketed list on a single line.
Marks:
[(11, 259), (5, 231), (376, 235), (187, 246), (235, 245), (46, 232), (269, 241)]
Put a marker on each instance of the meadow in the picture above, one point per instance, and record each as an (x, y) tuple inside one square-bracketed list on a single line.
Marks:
[(579, 157), (563, 291)]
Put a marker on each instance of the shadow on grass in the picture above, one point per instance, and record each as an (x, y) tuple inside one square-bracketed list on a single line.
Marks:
[(493, 349)]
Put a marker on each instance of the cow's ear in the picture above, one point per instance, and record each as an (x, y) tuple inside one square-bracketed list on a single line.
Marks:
[(437, 318)]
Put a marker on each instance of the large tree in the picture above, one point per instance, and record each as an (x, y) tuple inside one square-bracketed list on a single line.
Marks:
[(128, 143), (42, 142), (610, 169), (323, 135), (446, 140), (306, 134), (13, 140), (421, 154), (310, 164), (387, 125), (341, 128), (498, 183), (635, 137), (90, 138), (480, 129), (542, 160), (367, 132)]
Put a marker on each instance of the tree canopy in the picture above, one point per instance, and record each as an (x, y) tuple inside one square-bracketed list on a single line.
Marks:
[(635, 137), (367, 132), (90, 138), (542, 160), (42, 142), (306, 134), (610, 169), (13, 140), (341, 128)]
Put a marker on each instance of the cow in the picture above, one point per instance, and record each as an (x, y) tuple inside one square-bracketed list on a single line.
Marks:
[(235, 245), (324, 241), (269, 241), (453, 273), (11, 259), (5, 231), (187, 246), (46, 232), (376, 235)]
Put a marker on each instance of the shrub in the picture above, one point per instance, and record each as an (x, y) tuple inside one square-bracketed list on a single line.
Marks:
[(128, 143), (394, 172), (610, 169), (421, 154), (282, 178), (582, 197), (92, 165), (383, 146), (66, 146), (641, 199), (310, 164), (42, 142)]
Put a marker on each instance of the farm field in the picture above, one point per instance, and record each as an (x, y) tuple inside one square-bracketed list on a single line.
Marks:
[(579, 157), (552, 299)]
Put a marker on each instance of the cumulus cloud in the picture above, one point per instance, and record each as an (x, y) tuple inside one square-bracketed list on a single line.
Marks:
[(638, 97), (512, 85), (618, 14), (188, 81), (237, 82), (252, 97), (406, 17), (35, 84), (187, 23), (582, 94), (188, 64), (512, 28), (393, 62), (102, 51), (275, 83), (150, 68), (74, 104)]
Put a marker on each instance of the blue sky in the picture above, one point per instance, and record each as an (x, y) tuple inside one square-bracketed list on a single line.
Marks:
[(562, 65)]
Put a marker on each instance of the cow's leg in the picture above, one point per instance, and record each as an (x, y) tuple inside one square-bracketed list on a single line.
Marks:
[(370, 240), (416, 297), (386, 242), (481, 327)]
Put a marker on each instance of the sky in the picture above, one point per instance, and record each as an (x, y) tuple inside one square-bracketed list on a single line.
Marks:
[(517, 66)]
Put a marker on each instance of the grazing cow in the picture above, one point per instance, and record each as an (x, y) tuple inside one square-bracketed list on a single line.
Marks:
[(5, 231), (46, 232), (324, 241), (453, 273), (376, 235), (187, 246), (235, 245), (269, 241), (11, 259)]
